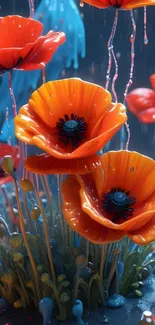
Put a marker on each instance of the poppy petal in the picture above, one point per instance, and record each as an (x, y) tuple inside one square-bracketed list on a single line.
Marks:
[(81, 222), (152, 81), (9, 58), (97, 173), (46, 141), (147, 116), (145, 235), (92, 206), (86, 100), (5, 180), (105, 128), (7, 150), (132, 4), (46, 164), (98, 3), (126, 169), (17, 31), (55, 99), (42, 55), (140, 100)]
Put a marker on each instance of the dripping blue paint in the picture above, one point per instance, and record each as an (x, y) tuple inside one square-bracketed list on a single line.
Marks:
[(57, 15)]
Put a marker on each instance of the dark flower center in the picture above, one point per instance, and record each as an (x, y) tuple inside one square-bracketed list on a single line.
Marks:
[(118, 203), (71, 130), (116, 5)]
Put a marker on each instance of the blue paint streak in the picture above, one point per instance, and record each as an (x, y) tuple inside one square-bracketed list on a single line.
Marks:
[(57, 15), (76, 240)]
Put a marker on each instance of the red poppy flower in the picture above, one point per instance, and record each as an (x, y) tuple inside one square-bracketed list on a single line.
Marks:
[(69, 119), (7, 150), (21, 45), (120, 4), (116, 199), (141, 102)]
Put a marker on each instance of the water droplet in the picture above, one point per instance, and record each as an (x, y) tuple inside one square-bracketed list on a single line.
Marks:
[(81, 4)]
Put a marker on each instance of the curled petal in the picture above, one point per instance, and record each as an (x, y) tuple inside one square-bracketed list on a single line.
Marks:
[(88, 101), (80, 221), (126, 169), (17, 31), (121, 4), (55, 99), (46, 164), (92, 206), (145, 235), (43, 50), (23, 47), (147, 116), (132, 4), (98, 3), (139, 100)]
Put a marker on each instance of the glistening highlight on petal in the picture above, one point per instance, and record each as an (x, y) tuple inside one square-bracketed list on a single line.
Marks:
[(69, 118)]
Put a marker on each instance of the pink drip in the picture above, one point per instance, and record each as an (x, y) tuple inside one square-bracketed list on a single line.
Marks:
[(31, 6), (7, 119), (26, 174), (23, 155), (14, 106), (111, 54), (115, 77), (44, 75), (31, 177), (132, 41), (37, 181), (145, 25), (129, 136)]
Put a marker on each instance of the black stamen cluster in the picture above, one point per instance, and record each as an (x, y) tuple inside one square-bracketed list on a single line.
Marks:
[(71, 129), (118, 203)]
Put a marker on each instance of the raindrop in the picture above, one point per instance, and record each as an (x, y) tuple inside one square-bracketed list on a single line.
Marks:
[(81, 4)]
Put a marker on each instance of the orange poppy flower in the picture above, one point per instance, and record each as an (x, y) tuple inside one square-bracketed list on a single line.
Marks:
[(7, 150), (116, 199), (141, 102), (21, 45), (68, 119), (120, 4)]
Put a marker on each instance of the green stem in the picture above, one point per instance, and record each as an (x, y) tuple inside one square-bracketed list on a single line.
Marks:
[(22, 227), (103, 257), (59, 180), (77, 284), (47, 237), (47, 192), (27, 213)]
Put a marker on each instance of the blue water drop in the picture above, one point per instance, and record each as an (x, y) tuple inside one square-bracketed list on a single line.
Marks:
[(86, 273), (46, 309), (76, 240), (115, 301), (77, 311)]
